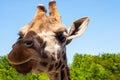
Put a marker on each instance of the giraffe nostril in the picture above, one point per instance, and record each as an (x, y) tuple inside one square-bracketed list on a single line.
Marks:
[(28, 43)]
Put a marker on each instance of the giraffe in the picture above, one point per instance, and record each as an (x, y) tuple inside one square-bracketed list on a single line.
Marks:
[(41, 46)]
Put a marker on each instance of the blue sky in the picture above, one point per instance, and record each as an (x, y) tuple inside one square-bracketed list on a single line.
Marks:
[(102, 34)]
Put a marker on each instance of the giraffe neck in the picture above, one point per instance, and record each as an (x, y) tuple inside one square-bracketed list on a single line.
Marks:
[(62, 75)]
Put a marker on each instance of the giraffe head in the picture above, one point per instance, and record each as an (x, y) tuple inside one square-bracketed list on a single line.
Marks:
[(42, 43)]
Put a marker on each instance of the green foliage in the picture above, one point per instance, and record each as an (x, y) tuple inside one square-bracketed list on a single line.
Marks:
[(101, 67), (8, 73)]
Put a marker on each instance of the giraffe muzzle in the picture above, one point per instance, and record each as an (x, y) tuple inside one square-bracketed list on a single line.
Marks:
[(19, 63)]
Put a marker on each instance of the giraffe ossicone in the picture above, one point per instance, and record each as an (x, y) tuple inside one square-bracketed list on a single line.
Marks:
[(41, 46)]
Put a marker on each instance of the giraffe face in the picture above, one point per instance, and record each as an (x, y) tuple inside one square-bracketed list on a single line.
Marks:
[(42, 43)]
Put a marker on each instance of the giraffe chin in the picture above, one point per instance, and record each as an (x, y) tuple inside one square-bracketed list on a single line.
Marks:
[(24, 67)]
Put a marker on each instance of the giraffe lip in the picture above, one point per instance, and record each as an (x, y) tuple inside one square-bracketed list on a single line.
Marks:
[(19, 63)]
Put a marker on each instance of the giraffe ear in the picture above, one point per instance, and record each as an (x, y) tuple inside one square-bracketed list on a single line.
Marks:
[(77, 29)]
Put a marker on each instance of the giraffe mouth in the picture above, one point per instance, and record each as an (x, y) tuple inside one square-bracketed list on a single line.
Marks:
[(19, 63)]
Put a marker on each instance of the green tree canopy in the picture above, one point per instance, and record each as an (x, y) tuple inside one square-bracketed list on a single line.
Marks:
[(101, 67)]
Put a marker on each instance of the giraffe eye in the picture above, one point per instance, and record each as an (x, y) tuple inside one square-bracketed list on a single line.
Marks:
[(61, 37)]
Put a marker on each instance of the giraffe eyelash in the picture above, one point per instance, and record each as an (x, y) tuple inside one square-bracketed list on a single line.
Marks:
[(20, 35)]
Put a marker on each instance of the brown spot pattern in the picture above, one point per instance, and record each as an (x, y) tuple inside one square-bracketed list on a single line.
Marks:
[(51, 67), (43, 63)]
